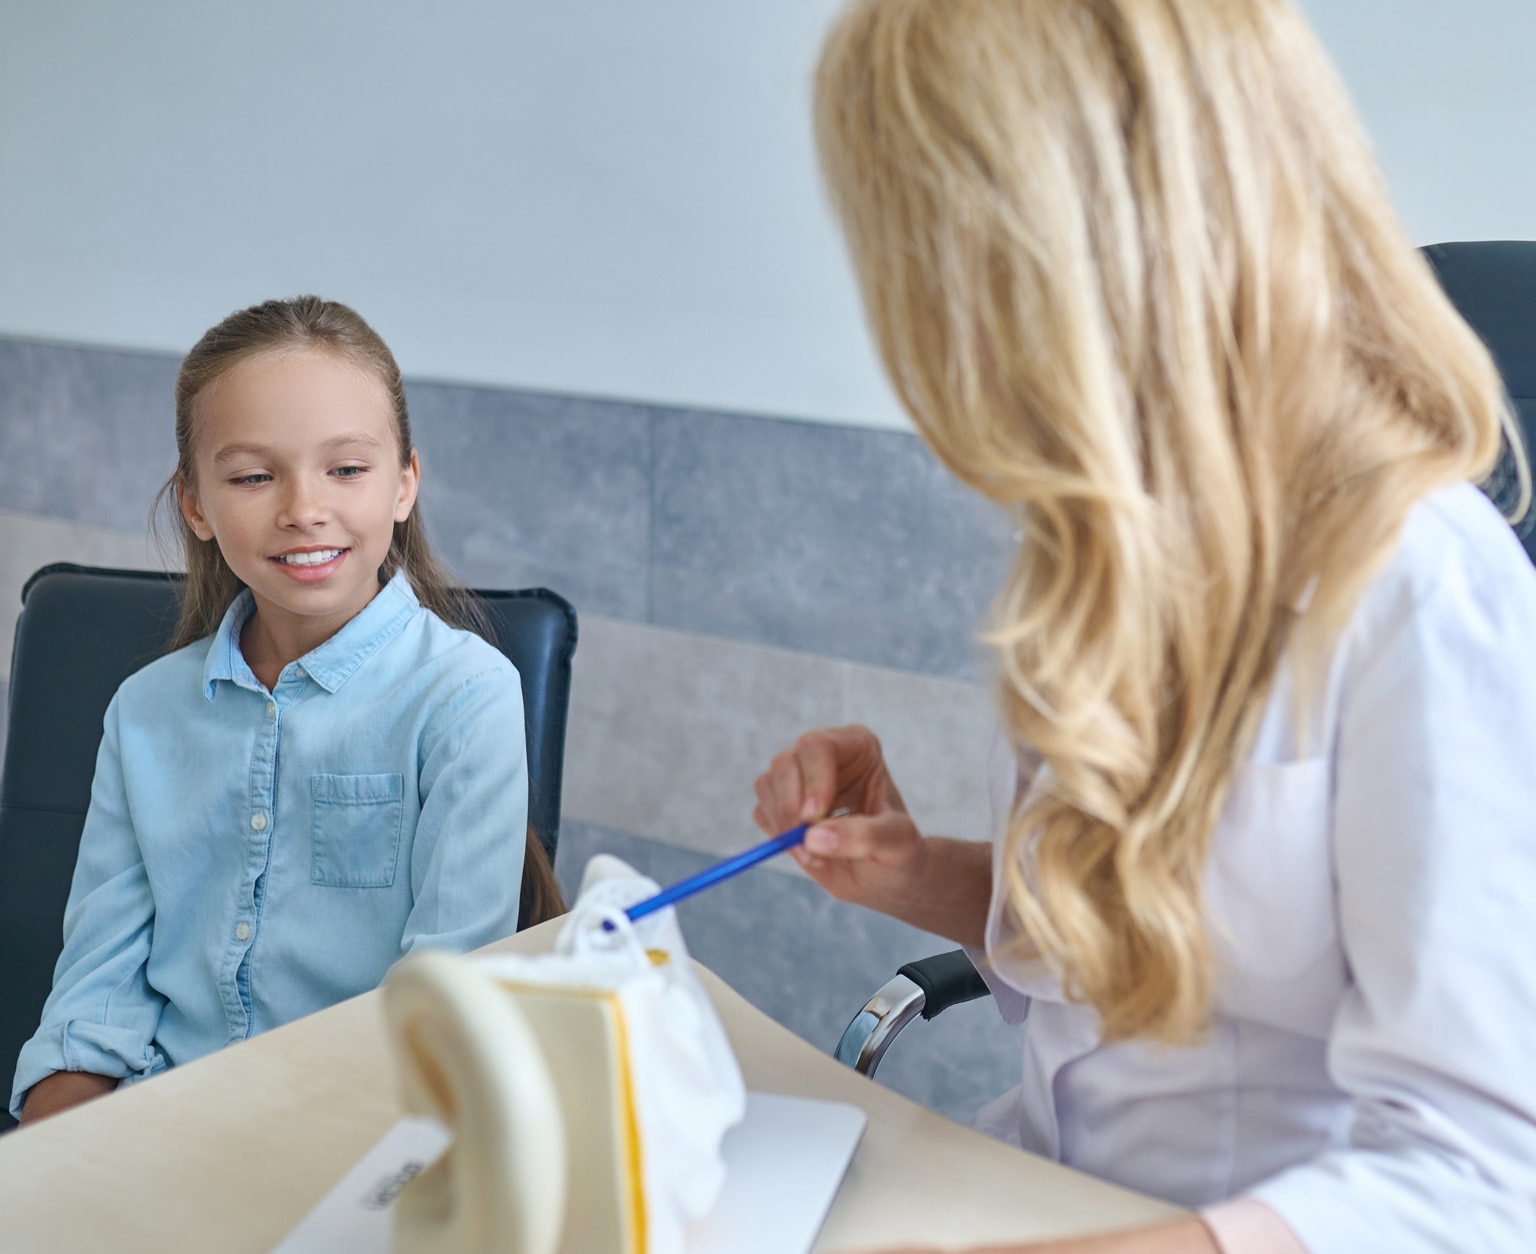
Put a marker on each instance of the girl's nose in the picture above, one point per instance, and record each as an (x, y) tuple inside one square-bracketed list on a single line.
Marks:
[(303, 506)]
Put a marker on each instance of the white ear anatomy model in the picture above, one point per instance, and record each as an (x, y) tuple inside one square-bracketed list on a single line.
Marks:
[(468, 1057), (587, 1090)]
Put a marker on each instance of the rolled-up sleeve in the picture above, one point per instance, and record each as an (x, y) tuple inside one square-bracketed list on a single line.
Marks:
[(1435, 859), (467, 860), (102, 1013)]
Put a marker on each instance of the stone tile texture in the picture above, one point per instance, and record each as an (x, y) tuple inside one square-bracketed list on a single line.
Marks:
[(668, 730), (521, 489), (937, 736), (88, 434), (841, 542), (832, 540), (28, 542)]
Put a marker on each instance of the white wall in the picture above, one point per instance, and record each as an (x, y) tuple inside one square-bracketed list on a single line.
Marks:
[(591, 196), (1447, 94)]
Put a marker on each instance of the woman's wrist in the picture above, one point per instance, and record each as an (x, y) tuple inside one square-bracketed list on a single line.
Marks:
[(946, 889)]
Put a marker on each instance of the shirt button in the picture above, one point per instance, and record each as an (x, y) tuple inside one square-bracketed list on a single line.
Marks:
[(271, 709), (243, 932), (259, 822), (298, 671)]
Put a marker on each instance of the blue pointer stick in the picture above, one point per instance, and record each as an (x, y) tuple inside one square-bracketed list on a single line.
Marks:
[(714, 874)]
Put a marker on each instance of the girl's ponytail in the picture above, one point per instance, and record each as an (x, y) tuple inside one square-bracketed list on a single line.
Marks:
[(542, 899)]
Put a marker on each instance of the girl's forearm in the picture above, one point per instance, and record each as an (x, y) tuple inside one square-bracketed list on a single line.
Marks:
[(64, 1089)]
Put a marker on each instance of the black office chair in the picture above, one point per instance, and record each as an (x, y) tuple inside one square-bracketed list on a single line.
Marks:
[(1492, 283), (82, 631)]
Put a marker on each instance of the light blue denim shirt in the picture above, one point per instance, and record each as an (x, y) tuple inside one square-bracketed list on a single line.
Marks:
[(250, 857)]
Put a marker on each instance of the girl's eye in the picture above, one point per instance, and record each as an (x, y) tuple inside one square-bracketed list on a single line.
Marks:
[(348, 472), (241, 480)]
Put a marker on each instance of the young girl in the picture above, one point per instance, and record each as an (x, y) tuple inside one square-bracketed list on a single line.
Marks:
[(1265, 879), (328, 771)]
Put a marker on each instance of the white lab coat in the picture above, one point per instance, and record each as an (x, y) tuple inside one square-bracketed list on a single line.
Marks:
[(1371, 1070)]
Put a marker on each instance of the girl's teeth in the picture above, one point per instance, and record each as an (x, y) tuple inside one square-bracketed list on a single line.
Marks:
[(310, 559)]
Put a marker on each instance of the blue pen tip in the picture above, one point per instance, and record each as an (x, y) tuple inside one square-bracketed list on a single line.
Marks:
[(714, 874)]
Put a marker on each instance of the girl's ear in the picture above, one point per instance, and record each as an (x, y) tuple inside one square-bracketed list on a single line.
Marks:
[(192, 510), (410, 480)]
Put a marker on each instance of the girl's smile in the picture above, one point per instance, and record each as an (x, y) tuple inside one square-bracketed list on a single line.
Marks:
[(310, 565)]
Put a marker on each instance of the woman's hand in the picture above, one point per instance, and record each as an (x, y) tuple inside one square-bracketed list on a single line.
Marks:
[(1182, 1236), (61, 1090), (866, 855), (873, 855)]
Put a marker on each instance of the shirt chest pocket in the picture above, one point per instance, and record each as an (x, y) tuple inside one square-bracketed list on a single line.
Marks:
[(356, 831)]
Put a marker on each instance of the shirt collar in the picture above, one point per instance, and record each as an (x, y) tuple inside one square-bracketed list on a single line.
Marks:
[(330, 664)]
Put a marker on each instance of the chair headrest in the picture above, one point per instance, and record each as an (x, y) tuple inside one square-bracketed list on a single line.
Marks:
[(1492, 283)]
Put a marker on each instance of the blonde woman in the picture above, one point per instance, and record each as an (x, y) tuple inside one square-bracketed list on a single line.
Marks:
[(1266, 874)]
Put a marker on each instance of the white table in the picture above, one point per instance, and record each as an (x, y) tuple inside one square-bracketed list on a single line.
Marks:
[(228, 1153)]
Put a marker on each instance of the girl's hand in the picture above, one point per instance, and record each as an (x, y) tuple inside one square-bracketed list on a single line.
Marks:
[(873, 854)]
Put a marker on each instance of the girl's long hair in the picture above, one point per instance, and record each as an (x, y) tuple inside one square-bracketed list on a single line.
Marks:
[(313, 323), (1134, 275)]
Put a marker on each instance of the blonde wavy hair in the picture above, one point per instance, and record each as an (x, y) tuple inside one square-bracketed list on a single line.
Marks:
[(1134, 275)]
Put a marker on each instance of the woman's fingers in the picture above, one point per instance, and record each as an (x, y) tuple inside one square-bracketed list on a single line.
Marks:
[(780, 794), (802, 782), (825, 769), (839, 838), (885, 839), (823, 761)]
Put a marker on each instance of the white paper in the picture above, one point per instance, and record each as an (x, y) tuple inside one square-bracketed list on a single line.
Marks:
[(355, 1215), (784, 1164)]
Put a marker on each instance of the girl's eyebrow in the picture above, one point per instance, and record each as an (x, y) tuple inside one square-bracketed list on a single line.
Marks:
[(231, 452), (353, 437)]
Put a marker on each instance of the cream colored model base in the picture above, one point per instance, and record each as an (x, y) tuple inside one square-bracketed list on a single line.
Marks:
[(534, 1085)]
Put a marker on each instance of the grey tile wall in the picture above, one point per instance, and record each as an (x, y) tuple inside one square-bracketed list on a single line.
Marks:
[(669, 729), (521, 489), (831, 540), (841, 541), (811, 962), (86, 434), (29, 542)]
